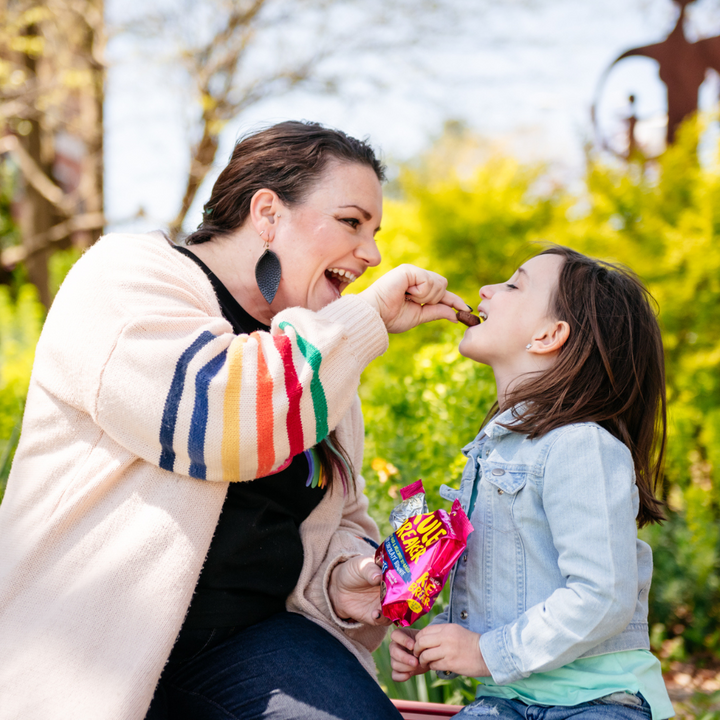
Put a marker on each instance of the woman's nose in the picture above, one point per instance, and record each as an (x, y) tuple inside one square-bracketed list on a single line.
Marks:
[(486, 292), (368, 252)]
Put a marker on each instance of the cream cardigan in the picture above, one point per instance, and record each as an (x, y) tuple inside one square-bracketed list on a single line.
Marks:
[(139, 388)]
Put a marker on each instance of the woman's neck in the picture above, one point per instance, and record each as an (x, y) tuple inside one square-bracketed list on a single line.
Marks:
[(232, 261)]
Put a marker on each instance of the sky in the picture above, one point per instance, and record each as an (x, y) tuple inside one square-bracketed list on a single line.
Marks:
[(523, 74)]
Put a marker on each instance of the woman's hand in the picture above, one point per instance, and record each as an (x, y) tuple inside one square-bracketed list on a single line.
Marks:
[(403, 662), (408, 296), (451, 647), (355, 591)]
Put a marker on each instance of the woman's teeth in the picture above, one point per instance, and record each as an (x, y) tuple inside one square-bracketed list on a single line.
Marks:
[(344, 276), (482, 315)]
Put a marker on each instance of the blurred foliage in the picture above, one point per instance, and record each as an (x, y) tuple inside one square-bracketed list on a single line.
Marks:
[(20, 323), (473, 217)]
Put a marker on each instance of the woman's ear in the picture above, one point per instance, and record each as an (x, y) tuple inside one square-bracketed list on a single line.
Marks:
[(551, 338), (264, 208)]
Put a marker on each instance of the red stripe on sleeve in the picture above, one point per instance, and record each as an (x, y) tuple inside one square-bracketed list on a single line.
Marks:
[(294, 393)]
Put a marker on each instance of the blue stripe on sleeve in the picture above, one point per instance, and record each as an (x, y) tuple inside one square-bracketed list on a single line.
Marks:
[(198, 425), (172, 402)]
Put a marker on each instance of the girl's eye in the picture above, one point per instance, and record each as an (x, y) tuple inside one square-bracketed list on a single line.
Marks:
[(511, 286), (352, 222)]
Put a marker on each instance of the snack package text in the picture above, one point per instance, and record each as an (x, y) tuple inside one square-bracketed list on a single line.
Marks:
[(417, 558)]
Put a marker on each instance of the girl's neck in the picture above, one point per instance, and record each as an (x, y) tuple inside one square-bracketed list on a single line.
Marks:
[(510, 376)]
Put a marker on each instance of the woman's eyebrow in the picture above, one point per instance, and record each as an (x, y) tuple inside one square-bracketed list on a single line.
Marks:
[(364, 212)]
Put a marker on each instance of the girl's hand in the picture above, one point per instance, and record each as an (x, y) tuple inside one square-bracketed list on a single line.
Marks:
[(403, 662), (408, 296), (355, 591), (451, 647)]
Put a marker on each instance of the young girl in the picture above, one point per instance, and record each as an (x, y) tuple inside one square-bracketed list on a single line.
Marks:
[(548, 607)]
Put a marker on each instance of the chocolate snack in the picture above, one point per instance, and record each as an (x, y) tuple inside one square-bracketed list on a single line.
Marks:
[(467, 318)]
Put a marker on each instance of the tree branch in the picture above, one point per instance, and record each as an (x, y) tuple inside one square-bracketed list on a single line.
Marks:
[(19, 253), (33, 173)]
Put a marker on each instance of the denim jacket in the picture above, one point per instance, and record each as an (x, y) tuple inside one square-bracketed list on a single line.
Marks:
[(554, 570)]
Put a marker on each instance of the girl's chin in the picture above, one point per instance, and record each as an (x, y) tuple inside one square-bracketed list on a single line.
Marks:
[(466, 349)]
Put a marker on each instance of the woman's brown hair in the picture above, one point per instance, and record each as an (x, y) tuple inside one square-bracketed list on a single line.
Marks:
[(288, 158), (611, 369)]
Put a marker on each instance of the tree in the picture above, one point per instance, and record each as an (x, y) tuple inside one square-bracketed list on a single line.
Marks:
[(51, 123), (236, 53)]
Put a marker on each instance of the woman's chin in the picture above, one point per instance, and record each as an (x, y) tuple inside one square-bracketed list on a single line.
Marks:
[(324, 297)]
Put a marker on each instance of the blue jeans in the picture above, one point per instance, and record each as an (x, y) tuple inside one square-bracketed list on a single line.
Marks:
[(602, 709), (285, 668)]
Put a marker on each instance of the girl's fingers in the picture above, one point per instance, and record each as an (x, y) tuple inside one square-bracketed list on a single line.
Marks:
[(402, 667), (430, 656), (400, 656), (403, 639), (400, 676)]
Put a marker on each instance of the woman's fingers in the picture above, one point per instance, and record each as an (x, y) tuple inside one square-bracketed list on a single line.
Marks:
[(435, 293), (355, 591), (408, 296)]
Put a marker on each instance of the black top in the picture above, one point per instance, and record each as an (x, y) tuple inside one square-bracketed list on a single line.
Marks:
[(256, 554)]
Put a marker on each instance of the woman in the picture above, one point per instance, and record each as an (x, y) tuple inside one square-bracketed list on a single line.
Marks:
[(192, 432)]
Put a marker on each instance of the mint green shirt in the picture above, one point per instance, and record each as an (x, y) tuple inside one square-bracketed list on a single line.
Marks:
[(585, 679)]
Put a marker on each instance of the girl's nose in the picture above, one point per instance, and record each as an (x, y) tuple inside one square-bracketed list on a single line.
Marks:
[(486, 292)]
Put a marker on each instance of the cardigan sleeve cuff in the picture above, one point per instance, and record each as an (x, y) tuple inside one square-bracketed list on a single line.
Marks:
[(344, 624), (364, 329)]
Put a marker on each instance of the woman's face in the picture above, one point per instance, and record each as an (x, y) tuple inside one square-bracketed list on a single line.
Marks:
[(516, 312), (327, 241)]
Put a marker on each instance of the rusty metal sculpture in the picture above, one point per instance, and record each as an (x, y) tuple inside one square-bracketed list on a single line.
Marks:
[(683, 67)]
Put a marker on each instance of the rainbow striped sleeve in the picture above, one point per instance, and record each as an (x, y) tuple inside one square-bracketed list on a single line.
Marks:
[(239, 411)]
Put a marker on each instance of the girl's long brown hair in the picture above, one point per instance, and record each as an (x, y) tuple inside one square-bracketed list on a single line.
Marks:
[(611, 369), (288, 158)]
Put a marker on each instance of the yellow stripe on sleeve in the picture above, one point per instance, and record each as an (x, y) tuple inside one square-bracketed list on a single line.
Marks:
[(230, 448)]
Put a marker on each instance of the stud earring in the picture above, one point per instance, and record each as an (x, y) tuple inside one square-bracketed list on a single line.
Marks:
[(528, 346), (268, 273)]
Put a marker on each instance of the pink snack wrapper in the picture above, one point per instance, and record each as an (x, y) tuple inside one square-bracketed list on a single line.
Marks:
[(417, 558)]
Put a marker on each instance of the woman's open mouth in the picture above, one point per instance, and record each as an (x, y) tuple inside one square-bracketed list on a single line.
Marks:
[(340, 278)]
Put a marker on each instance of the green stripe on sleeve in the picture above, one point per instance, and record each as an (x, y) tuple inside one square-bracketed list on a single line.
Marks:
[(314, 358)]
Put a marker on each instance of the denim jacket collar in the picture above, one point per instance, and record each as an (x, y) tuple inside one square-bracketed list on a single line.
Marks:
[(494, 429)]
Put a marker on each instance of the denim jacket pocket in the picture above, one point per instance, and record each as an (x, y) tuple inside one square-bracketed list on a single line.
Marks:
[(506, 481)]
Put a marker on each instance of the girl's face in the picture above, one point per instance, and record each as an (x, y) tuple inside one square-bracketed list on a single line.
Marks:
[(517, 314)]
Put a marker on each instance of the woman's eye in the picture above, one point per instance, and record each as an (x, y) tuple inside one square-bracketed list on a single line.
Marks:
[(511, 286), (352, 222)]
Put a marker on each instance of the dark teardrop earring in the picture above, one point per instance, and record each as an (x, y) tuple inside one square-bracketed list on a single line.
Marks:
[(268, 273)]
